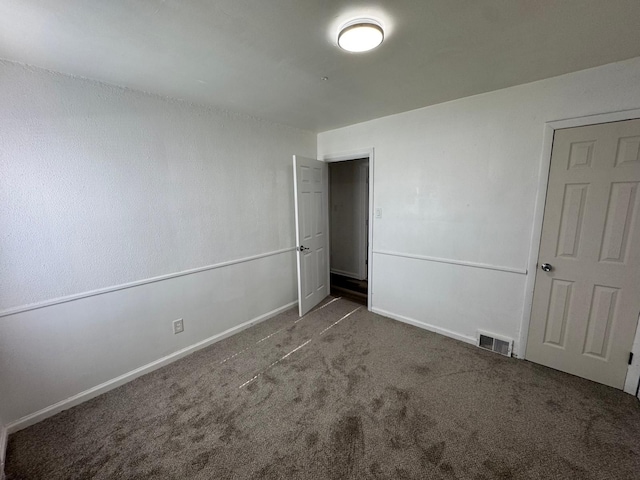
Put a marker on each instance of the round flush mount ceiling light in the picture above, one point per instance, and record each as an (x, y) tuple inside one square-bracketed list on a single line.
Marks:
[(360, 35)]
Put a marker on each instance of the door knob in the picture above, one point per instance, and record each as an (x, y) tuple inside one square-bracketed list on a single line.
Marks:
[(547, 267), (302, 248)]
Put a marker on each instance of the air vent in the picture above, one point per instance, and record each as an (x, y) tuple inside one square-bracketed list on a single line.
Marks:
[(495, 343)]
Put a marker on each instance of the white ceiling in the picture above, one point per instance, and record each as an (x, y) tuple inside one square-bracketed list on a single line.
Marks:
[(266, 58)]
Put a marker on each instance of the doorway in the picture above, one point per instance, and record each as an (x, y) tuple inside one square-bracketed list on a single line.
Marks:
[(585, 300), (349, 228)]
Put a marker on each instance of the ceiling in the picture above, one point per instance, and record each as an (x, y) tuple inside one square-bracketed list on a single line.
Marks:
[(266, 58)]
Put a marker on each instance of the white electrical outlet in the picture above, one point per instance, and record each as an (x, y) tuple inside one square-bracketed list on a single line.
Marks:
[(378, 213), (178, 326)]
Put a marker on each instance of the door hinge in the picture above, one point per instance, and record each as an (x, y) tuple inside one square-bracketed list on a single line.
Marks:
[(630, 357)]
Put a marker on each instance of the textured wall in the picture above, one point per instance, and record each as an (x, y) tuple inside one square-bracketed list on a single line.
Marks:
[(102, 186), (459, 181)]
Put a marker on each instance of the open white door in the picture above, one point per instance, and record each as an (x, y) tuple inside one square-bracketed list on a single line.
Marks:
[(310, 178)]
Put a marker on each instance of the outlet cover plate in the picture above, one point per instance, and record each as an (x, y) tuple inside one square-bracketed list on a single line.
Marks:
[(178, 326)]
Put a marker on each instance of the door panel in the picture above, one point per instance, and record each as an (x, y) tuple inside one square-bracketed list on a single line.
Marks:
[(311, 203), (621, 211), (321, 254), (585, 310), (556, 326), (308, 274), (571, 219)]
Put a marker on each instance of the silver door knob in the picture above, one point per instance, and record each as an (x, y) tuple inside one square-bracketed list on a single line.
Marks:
[(547, 267), (302, 248)]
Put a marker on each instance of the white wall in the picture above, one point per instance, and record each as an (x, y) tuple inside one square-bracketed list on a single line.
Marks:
[(348, 213), (103, 186), (457, 182)]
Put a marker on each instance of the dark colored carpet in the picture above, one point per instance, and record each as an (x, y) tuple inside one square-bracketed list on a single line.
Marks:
[(366, 398)]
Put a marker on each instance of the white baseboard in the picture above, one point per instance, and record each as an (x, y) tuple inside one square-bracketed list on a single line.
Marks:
[(4, 437), (426, 326), (81, 397), (346, 274)]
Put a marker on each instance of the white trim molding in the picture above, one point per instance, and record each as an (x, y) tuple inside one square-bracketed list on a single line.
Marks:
[(344, 273), (519, 271), (350, 155), (426, 326), (4, 440), (101, 291), (549, 129), (81, 397), (632, 382)]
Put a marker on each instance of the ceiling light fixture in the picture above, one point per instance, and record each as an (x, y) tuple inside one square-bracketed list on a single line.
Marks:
[(360, 35)]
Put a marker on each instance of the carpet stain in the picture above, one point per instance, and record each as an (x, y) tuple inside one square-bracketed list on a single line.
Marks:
[(354, 377), (311, 439), (433, 454), (139, 459), (346, 448), (269, 472), (396, 442), (319, 397), (554, 406), (198, 463), (425, 422), (202, 421), (401, 395), (446, 467), (571, 470), (402, 413), (376, 471), (588, 437), (269, 378), (499, 469), (403, 474), (339, 362), (422, 370)]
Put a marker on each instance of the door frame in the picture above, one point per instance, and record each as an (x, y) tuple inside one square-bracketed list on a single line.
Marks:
[(549, 128), (343, 157)]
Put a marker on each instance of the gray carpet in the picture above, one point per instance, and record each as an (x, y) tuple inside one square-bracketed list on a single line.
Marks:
[(364, 398)]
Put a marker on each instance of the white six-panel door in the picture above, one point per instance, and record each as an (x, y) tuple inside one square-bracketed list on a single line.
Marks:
[(585, 308), (311, 203)]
